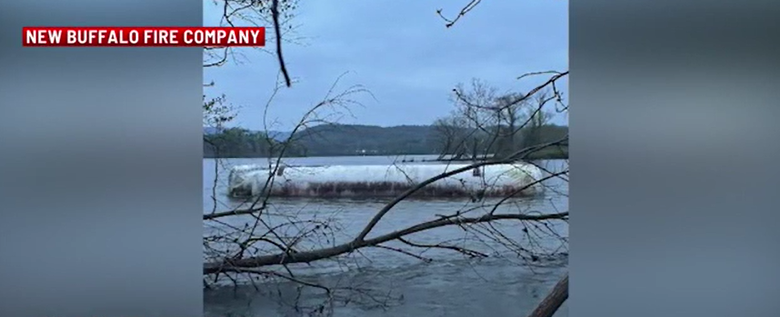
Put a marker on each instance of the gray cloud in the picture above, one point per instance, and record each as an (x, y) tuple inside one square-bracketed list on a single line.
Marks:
[(402, 53)]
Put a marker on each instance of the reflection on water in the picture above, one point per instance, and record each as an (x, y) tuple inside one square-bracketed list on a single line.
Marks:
[(381, 282)]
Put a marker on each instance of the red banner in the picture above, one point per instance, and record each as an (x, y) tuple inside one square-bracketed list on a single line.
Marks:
[(143, 36)]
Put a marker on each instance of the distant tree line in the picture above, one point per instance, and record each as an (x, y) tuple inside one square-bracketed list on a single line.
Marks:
[(348, 140)]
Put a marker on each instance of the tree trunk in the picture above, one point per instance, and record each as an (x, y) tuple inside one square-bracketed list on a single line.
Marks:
[(554, 299)]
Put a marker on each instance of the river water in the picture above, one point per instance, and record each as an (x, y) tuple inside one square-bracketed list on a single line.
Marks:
[(383, 282)]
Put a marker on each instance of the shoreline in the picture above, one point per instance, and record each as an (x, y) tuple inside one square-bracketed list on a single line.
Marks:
[(544, 154)]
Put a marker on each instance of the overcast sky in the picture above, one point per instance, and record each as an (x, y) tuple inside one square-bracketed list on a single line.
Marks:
[(401, 52)]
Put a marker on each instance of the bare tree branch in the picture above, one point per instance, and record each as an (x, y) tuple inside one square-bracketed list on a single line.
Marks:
[(450, 22), (406, 194), (554, 300), (282, 65), (306, 257)]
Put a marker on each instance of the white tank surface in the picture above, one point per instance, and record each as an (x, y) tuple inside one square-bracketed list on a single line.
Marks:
[(369, 181)]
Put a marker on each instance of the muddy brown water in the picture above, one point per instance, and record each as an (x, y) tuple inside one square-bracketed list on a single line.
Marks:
[(450, 285)]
